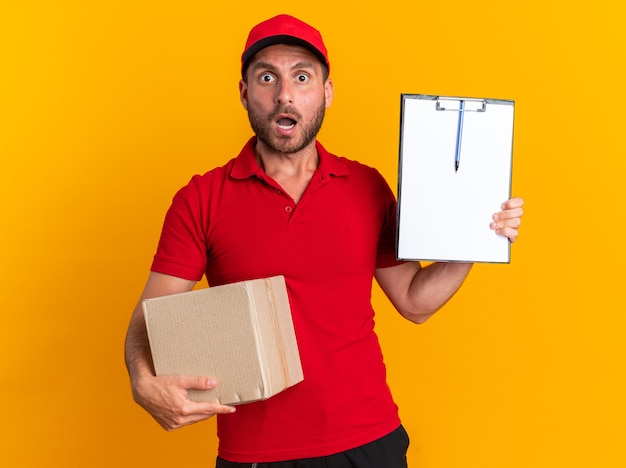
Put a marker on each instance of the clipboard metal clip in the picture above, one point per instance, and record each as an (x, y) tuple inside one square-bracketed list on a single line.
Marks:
[(460, 104)]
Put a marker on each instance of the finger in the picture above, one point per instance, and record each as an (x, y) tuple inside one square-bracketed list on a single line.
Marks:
[(195, 382), (203, 408), (503, 221), (202, 383), (216, 408), (192, 412), (508, 214), (515, 202), (509, 232)]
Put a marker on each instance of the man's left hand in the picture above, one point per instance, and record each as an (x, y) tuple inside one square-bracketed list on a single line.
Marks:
[(507, 222)]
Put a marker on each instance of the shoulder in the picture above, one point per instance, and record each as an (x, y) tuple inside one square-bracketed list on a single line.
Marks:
[(343, 166), (360, 182), (207, 182), (360, 173), (241, 167), (359, 167)]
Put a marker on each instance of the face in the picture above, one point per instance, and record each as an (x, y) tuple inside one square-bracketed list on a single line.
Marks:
[(286, 96)]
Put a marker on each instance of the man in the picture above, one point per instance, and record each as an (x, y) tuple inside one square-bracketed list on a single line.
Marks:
[(287, 206)]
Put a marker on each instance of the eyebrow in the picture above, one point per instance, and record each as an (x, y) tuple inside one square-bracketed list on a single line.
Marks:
[(269, 66)]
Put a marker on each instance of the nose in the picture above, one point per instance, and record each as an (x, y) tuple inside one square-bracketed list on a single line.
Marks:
[(284, 93)]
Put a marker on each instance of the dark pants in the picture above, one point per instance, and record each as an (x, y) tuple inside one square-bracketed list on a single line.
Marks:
[(387, 452)]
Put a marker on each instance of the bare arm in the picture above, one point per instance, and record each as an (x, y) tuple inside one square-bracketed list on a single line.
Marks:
[(165, 398), (417, 293)]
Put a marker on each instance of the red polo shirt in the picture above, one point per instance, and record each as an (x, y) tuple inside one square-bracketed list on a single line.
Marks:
[(234, 223)]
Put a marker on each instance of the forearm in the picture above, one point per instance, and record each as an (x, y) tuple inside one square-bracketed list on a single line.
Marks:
[(419, 292), (137, 349), (432, 287), (164, 397)]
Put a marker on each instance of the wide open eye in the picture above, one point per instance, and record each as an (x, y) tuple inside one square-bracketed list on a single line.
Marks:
[(267, 78), (302, 77)]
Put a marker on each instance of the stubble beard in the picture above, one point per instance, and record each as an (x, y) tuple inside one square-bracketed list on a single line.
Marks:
[(264, 129)]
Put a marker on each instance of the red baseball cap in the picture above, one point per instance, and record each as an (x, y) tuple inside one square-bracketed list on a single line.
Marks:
[(283, 29)]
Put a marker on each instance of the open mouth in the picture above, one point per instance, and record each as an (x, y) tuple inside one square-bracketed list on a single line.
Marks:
[(286, 123)]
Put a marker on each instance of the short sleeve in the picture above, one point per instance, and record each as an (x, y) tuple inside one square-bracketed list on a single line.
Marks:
[(386, 256), (182, 248)]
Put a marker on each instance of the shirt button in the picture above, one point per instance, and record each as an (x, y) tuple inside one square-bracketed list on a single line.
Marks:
[(288, 209)]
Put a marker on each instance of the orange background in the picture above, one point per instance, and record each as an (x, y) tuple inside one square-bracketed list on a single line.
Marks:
[(108, 107)]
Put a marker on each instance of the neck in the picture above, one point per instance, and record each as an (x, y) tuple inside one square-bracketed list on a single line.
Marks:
[(292, 171), (290, 164)]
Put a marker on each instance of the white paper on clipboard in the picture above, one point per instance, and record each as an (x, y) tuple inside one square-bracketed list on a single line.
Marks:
[(454, 173)]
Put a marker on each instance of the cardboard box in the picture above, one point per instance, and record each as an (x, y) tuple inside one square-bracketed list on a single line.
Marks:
[(240, 334)]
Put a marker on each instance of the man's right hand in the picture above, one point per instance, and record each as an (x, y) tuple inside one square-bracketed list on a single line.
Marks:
[(165, 398)]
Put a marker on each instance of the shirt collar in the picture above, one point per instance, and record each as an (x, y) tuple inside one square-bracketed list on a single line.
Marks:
[(245, 164)]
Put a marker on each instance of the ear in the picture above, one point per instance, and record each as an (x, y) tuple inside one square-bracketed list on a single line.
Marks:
[(243, 94), (328, 92)]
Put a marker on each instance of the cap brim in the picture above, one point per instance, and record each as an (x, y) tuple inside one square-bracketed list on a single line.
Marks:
[(280, 39)]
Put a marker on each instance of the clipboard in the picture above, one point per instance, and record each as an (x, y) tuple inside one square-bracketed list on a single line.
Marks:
[(455, 170)]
